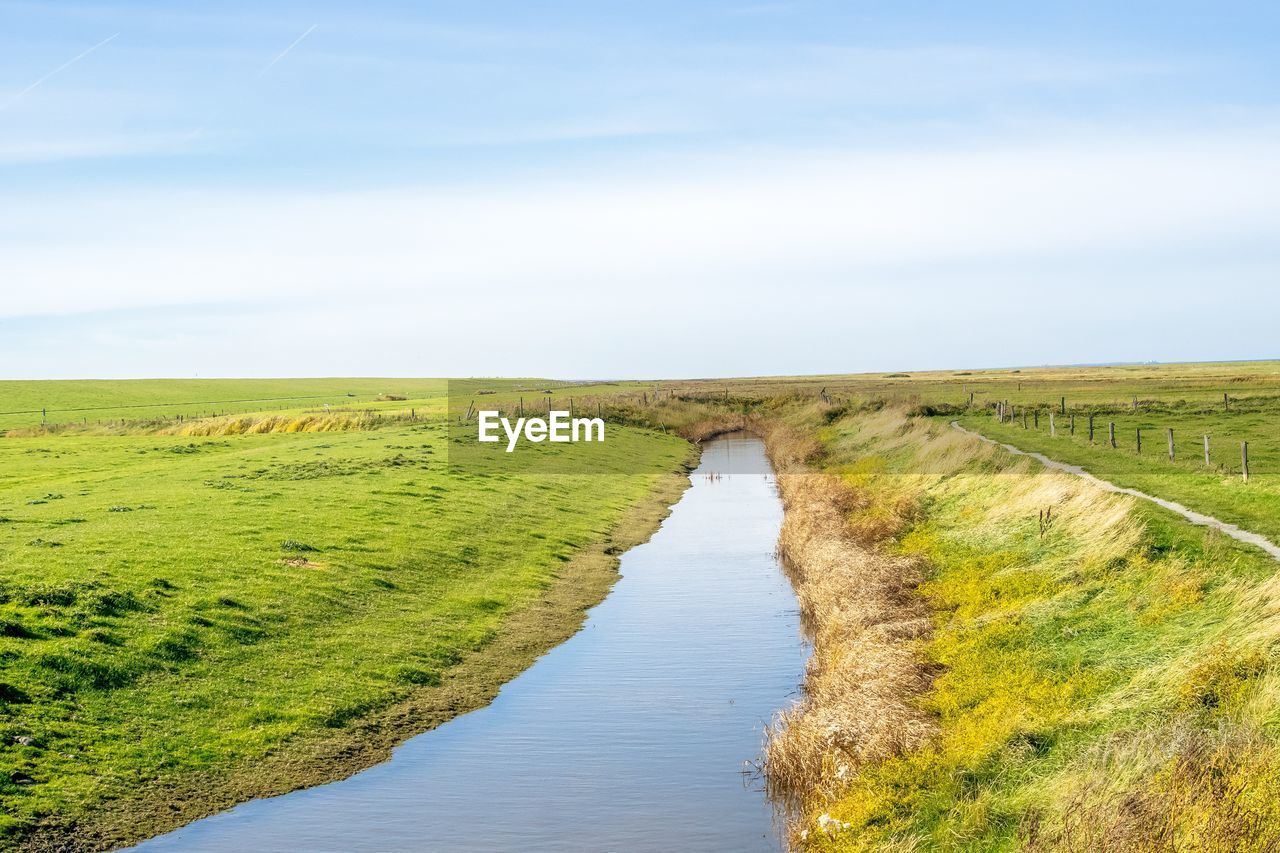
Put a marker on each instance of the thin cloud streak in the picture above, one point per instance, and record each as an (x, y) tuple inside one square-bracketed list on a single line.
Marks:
[(285, 52), (63, 67)]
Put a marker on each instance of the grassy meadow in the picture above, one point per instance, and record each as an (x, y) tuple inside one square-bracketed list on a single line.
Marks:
[(194, 619), (1216, 487), (103, 402), (203, 603)]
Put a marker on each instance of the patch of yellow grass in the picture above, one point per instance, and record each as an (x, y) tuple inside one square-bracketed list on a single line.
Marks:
[(258, 424)]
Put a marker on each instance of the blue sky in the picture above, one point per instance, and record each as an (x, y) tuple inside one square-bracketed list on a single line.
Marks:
[(633, 189)]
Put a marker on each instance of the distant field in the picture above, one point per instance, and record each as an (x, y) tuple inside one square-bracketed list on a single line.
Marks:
[(1154, 398), (1202, 383), (176, 606), (23, 404)]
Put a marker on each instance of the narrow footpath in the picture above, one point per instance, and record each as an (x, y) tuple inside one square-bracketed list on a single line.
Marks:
[(1237, 533)]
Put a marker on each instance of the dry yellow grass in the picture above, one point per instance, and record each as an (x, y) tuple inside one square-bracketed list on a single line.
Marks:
[(247, 424), (859, 605), (256, 424)]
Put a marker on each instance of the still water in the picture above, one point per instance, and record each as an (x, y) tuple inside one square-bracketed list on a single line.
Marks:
[(632, 736)]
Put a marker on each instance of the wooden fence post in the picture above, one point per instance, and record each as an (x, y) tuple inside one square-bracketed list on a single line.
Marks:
[(1053, 430), (1073, 423), (1036, 415), (1244, 460), (1170, 444), (1207, 463), (1062, 406), (1139, 441), (1112, 428), (1091, 429), (1024, 417), (1226, 402)]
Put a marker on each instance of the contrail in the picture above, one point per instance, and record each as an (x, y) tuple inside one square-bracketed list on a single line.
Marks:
[(285, 52), (64, 66)]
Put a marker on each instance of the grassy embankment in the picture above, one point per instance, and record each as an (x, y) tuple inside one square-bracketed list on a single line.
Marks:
[(189, 621), (985, 678), (1216, 488)]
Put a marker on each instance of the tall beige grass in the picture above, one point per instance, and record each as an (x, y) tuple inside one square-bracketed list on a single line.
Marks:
[(250, 424), (860, 606), (257, 424)]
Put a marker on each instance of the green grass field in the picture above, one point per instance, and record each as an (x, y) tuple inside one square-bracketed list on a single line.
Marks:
[(199, 605), (176, 606), (24, 404), (1216, 489)]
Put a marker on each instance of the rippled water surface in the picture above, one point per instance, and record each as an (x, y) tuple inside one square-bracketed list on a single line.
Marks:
[(631, 736)]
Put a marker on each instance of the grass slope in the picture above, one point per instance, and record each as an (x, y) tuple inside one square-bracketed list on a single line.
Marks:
[(179, 607), (1102, 680)]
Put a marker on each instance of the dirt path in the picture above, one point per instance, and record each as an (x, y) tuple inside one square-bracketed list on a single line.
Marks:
[(1191, 515)]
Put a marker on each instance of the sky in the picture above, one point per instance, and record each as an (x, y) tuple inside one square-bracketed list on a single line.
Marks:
[(597, 189)]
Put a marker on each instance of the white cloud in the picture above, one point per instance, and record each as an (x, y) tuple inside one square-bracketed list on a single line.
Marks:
[(691, 265), (734, 220)]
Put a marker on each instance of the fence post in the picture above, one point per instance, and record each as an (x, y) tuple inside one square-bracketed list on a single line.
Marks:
[(1053, 429), (1091, 429), (1035, 414), (1073, 423), (1139, 441), (1024, 417), (1170, 444), (1135, 402), (1244, 460), (1207, 463), (1062, 406), (1112, 428), (1226, 402)]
